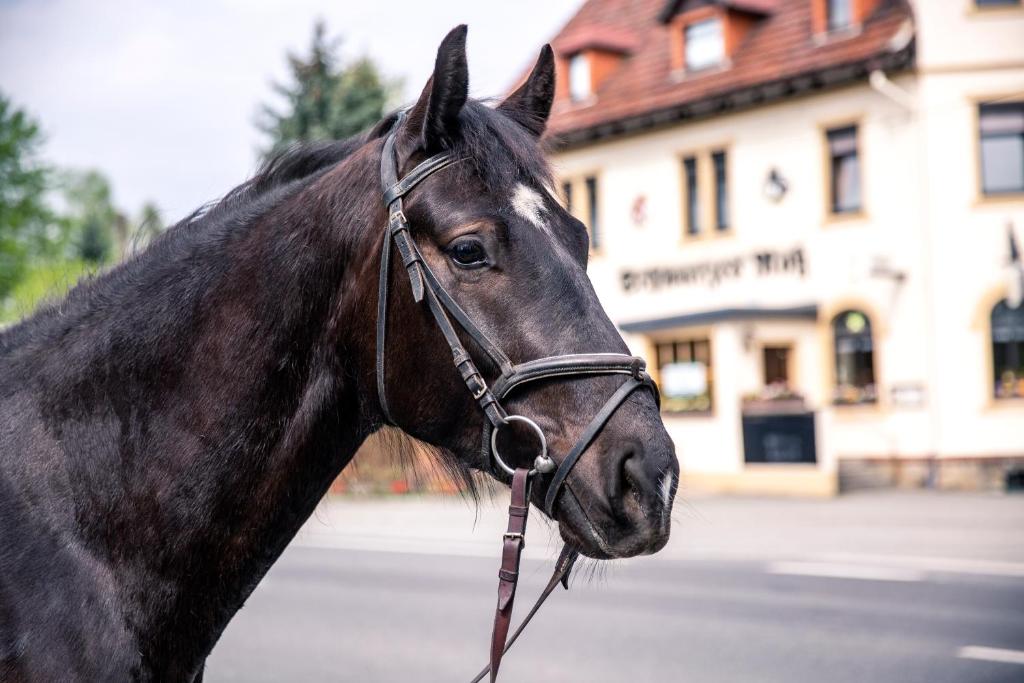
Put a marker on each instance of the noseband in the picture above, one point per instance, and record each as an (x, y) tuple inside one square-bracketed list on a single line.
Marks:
[(444, 308)]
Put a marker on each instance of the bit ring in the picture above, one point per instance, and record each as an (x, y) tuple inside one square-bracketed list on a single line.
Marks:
[(542, 463)]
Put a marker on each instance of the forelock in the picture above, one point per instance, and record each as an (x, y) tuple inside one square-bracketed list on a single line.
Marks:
[(498, 150)]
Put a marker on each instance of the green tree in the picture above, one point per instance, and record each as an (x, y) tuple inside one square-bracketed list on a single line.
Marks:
[(327, 100), (91, 217), (24, 215)]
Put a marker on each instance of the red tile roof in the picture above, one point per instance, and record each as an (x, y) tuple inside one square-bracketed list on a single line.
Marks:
[(610, 38), (778, 56)]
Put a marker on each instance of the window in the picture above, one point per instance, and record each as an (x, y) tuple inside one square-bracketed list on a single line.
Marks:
[(854, 358), (1007, 328), (592, 213), (844, 170), (1001, 131), (721, 191), (692, 197), (776, 367), (703, 44), (567, 196), (684, 371), (838, 14), (579, 77)]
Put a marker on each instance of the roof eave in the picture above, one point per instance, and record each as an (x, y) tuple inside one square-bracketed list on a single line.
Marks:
[(738, 99)]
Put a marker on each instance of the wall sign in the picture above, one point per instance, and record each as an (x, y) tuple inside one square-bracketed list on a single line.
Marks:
[(712, 273)]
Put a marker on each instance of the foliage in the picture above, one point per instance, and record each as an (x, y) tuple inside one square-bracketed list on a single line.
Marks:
[(45, 281), (91, 216), (24, 216), (42, 252), (327, 100)]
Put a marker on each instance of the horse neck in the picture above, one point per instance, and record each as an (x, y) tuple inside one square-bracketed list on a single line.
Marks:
[(225, 410)]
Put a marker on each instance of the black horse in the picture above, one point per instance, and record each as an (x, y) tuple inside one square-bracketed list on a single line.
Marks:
[(167, 428)]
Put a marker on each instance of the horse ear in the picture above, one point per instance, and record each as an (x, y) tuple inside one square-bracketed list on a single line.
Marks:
[(530, 105), (434, 119)]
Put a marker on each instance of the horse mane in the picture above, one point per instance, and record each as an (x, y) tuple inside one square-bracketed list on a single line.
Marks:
[(501, 152)]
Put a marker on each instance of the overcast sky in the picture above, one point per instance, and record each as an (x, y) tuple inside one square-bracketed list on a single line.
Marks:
[(161, 96)]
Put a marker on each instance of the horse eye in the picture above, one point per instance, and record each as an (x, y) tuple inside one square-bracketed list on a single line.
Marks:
[(468, 252)]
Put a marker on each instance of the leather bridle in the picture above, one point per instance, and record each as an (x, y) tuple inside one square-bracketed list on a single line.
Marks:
[(425, 285)]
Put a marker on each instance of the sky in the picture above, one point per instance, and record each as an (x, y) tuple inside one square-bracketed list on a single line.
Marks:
[(161, 96)]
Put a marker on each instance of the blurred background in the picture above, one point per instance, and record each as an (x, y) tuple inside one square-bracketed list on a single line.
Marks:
[(808, 215)]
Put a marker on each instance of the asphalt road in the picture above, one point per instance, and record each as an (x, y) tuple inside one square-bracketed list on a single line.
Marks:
[(328, 614)]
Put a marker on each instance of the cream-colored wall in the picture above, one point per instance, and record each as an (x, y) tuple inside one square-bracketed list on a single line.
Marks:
[(969, 56), (921, 218), (956, 34)]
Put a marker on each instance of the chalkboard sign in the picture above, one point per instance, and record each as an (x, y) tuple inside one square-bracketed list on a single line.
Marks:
[(779, 438)]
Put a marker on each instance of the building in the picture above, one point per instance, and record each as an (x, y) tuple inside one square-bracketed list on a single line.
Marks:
[(802, 213)]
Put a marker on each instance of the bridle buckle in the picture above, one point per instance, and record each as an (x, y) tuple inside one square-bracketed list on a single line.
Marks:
[(481, 390)]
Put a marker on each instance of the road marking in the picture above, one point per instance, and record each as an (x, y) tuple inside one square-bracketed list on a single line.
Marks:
[(946, 565), (991, 654), (836, 570)]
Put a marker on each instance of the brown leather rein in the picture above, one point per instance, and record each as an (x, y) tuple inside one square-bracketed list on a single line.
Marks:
[(443, 307)]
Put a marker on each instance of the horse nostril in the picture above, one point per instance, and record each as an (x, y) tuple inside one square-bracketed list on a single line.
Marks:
[(626, 472)]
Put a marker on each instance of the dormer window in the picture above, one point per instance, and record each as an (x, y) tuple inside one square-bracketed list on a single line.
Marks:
[(706, 34), (704, 44), (586, 58), (842, 17), (839, 14), (579, 77)]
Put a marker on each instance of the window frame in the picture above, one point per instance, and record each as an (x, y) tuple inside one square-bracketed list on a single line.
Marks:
[(576, 96), (990, 5), (692, 228), (576, 203), (687, 42), (824, 128), (994, 378), (696, 337), (788, 352), (720, 186), (706, 208), (835, 28), (872, 333), (592, 189), (982, 193)]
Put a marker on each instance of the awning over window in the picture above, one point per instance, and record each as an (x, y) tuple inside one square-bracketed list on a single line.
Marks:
[(806, 312)]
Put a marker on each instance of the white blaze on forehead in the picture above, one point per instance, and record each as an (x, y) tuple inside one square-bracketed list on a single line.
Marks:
[(529, 204)]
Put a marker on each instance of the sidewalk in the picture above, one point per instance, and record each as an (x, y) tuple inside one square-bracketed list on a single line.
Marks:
[(981, 533)]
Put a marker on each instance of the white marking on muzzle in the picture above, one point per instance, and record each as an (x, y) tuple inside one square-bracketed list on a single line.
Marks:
[(530, 205), (666, 488), (666, 496)]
